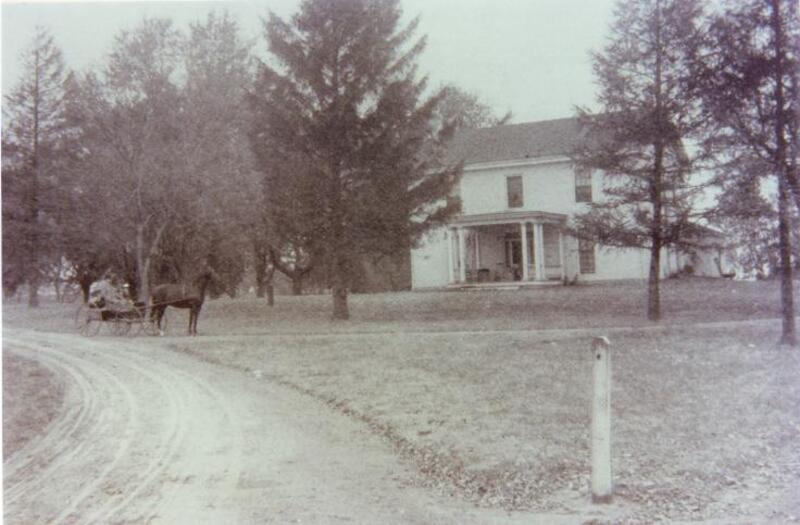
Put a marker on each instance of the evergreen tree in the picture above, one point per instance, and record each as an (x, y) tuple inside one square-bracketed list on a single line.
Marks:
[(747, 76), (637, 140), (34, 147), (344, 103)]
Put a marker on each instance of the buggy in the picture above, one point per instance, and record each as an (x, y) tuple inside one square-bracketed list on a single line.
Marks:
[(130, 318)]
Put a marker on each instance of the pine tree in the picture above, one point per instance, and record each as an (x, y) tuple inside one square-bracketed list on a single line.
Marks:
[(637, 139), (33, 146), (344, 104)]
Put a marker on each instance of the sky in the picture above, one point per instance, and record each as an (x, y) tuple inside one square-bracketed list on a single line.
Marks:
[(530, 57)]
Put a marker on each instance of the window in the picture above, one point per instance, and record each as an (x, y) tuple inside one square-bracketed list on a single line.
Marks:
[(586, 256), (583, 185), (514, 186)]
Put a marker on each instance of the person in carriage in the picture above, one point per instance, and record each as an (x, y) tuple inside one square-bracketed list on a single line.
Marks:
[(108, 294)]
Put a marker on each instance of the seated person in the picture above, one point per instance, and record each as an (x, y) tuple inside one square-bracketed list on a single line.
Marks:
[(106, 293)]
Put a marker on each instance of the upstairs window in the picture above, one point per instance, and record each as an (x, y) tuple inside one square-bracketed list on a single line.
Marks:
[(514, 187), (583, 185), (586, 256)]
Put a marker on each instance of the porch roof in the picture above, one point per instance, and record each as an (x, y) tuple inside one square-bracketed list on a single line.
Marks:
[(508, 217)]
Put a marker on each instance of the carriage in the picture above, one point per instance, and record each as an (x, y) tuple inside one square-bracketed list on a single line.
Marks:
[(111, 306), (118, 318)]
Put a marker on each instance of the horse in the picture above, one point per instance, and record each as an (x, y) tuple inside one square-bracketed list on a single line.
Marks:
[(182, 296)]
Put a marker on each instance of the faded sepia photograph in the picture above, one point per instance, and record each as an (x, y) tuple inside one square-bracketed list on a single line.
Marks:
[(401, 262)]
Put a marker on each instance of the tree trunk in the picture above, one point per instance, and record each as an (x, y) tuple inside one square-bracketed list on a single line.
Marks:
[(653, 291), (144, 257), (57, 289), (789, 332), (270, 294), (33, 291), (142, 265), (788, 328), (297, 285), (86, 284), (260, 284), (33, 210), (296, 274), (340, 309), (260, 255), (656, 185)]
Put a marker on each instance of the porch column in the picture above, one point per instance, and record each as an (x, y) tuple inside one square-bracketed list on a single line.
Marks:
[(561, 253), (538, 246), (451, 256), (462, 256), (477, 251), (524, 235)]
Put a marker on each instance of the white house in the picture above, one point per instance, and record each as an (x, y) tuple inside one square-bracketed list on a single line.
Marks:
[(518, 190)]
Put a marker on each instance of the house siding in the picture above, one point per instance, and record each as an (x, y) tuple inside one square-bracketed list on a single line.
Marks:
[(546, 187), (430, 260)]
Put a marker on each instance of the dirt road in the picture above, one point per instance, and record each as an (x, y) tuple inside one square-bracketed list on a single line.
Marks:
[(151, 436)]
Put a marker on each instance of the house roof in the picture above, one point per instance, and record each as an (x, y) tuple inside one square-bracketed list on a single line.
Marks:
[(515, 141)]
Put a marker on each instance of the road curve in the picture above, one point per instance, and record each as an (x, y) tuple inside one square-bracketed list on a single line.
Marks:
[(152, 436)]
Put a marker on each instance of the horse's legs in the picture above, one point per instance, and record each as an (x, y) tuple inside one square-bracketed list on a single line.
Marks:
[(193, 321), (196, 317), (158, 313)]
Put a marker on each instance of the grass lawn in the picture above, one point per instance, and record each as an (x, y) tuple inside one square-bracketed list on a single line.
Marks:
[(487, 393), (688, 300)]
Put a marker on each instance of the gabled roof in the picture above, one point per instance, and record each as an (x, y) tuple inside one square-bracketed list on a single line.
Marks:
[(515, 141)]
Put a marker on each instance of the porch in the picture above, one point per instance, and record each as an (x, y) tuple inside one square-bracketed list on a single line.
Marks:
[(512, 248)]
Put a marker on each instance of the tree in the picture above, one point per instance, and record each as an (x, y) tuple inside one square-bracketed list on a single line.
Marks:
[(647, 111), (219, 162), (747, 76), (34, 145), (746, 212), (465, 110), (130, 116), (167, 176), (343, 102)]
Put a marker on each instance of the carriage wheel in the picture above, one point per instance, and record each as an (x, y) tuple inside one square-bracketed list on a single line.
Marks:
[(87, 320), (136, 322), (120, 326)]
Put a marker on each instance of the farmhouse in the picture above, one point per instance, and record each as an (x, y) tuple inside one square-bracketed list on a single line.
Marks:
[(518, 191)]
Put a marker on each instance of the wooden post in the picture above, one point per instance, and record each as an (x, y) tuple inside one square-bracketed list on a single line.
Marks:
[(602, 485)]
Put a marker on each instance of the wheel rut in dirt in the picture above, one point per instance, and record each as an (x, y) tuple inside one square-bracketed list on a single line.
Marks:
[(153, 436), (125, 424)]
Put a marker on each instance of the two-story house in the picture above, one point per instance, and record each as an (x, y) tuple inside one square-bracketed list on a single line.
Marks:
[(518, 190)]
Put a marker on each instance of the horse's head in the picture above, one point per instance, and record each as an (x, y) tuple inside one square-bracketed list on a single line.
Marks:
[(207, 275)]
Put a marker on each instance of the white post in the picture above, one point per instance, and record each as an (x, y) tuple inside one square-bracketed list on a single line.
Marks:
[(538, 246), (462, 256), (524, 235), (451, 257), (561, 254), (477, 250), (601, 422)]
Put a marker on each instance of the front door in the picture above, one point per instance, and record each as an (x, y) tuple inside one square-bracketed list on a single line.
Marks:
[(514, 255)]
